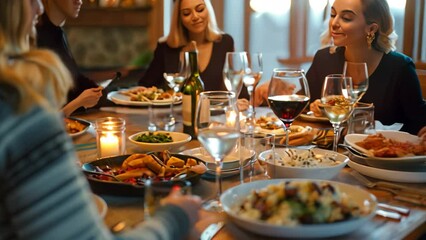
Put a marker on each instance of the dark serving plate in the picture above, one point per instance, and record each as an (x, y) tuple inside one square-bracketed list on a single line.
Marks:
[(82, 121), (122, 188)]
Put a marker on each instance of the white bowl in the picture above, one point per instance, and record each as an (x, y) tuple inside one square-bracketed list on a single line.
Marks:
[(281, 169), (234, 196), (179, 139)]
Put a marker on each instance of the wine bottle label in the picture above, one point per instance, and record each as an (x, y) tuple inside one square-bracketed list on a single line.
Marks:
[(186, 110)]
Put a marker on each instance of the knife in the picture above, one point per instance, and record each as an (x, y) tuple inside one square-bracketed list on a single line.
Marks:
[(211, 231)]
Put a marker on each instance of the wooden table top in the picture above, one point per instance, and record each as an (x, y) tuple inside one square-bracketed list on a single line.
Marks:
[(130, 209)]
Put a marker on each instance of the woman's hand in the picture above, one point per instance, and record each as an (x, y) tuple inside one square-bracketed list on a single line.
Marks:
[(261, 94), (90, 97), (242, 104), (189, 203), (314, 107)]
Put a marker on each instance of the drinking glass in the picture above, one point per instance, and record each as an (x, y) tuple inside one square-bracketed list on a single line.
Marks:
[(252, 76), (175, 81), (359, 73), (217, 128), (337, 102), (288, 95), (258, 143), (234, 70)]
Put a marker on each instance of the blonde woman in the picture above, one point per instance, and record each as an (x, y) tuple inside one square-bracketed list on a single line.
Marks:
[(192, 20), (44, 194)]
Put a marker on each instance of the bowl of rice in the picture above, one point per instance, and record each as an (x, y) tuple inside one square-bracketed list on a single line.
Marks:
[(313, 163)]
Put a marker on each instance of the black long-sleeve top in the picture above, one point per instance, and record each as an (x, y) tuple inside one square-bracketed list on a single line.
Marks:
[(166, 59), (54, 38), (394, 87)]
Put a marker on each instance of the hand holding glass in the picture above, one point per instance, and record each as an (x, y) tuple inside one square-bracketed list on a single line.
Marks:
[(217, 128), (288, 95)]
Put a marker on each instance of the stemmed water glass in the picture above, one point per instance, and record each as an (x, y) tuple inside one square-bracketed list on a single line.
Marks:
[(337, 101), (288, 95), (359, 73), (234, 70), (253, 74), (217, 128), (175, 81)]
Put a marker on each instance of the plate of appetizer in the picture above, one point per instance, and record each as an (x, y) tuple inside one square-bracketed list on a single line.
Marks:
[(389, 147), (159, 140), (143, 96), (76, 126), (339, 208), (125, 174)]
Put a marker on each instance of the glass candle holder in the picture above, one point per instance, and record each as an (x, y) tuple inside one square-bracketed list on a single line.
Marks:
[(110, 136)]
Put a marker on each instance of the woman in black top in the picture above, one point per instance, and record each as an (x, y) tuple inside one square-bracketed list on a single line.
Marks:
[(362, 31), (192, 20), (50, 34)]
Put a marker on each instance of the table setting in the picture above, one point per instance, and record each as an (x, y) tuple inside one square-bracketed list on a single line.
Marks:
[(233, 164)]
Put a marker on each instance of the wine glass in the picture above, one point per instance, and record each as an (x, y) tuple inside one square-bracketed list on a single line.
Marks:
[(359, 73), (217, 128), (233, 71), (175, 81), (288, 95), (252, 76), (337, 101)]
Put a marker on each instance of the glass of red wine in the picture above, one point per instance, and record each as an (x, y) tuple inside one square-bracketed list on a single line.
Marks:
[(288, 95)]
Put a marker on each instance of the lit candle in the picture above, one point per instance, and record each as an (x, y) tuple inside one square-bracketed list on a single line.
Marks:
[(231, 118), (109, 145)]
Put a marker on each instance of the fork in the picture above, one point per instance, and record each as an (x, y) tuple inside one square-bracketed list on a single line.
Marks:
[(398, 194)]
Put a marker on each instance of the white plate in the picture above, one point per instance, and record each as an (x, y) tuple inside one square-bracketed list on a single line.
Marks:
[(100, 204), (231, 161), (179, 139), (277, 132), (234, 196), (211, 173), (389, 175), (352, 139), (122, 99), (312, 118), (87, 125)]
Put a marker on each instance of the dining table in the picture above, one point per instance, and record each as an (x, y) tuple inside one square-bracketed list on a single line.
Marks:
[(128, 210)]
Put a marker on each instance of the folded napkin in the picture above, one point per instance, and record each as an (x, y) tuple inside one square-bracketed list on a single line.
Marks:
[(395, 126)]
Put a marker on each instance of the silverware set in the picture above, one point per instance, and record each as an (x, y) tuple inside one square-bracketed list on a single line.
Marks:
[(400, 192)]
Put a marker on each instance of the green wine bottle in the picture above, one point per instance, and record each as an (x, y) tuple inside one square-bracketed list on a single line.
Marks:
[(191, 90)]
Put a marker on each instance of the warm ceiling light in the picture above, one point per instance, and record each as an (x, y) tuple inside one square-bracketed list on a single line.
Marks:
[(270, 6)]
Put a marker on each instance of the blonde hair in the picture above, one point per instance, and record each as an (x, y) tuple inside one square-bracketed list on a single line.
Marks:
[(14, 38), (40, 77), (375, 11), (178, 34)]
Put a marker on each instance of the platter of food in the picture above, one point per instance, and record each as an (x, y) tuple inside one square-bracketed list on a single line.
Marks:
[(269, 124), (125, 174), (313, 163), (143, 96), (76, 126), (290, 215), (389, 147)]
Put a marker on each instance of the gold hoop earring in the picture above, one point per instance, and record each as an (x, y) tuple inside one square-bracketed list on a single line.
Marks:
[(370, 39)]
